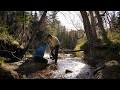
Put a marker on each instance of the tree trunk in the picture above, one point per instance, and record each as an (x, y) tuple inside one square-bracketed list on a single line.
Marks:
[(93, 25), (87, 26), (108, 20), (100, 24), (35, 32)]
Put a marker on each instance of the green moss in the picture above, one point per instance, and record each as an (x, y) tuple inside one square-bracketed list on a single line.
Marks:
[(114, 36), (9, 39), (79, 54), (2, 61), (80, 45), (15, 42), (100, 49), (111, 51)]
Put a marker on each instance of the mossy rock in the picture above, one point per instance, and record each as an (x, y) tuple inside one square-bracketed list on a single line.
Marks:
[(7, 73), (30, 66), (111, 63), (107, 63), (40, 59), (112, 72), (91, 62)]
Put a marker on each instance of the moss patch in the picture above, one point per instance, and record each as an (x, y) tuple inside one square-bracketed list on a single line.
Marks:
[(81, 53)]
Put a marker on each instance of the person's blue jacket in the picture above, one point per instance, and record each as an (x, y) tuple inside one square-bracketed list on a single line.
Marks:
[(41, 50)]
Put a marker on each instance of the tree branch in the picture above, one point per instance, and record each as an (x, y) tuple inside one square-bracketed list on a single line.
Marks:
[(11, 53), (73, 22), (103, 13)]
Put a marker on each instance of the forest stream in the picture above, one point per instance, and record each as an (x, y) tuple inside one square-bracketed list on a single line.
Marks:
[(92, 35), (66, 68)]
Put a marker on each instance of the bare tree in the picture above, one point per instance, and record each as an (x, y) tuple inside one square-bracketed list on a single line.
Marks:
[(35, 32), (87, 26), (108, 18), (100, 24), (93, 24)]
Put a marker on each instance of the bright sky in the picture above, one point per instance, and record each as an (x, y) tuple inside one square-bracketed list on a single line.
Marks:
[(70, 19)]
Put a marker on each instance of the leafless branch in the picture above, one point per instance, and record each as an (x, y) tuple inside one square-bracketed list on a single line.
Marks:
[(72, 21), (63, 15), (11, 53), (103, 14), (82, 35), (79, 16), (7, 51)]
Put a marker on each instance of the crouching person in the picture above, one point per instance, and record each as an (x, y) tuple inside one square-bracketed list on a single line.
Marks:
[(54, 45)]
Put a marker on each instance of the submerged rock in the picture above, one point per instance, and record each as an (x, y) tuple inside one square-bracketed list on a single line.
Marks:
[(68, 71)]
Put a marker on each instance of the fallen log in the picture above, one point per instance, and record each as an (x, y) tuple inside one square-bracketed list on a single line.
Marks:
[(69, 51)]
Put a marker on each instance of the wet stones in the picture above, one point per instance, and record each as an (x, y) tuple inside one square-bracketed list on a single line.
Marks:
[(68, 71), (108, 70), (112, 72)]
